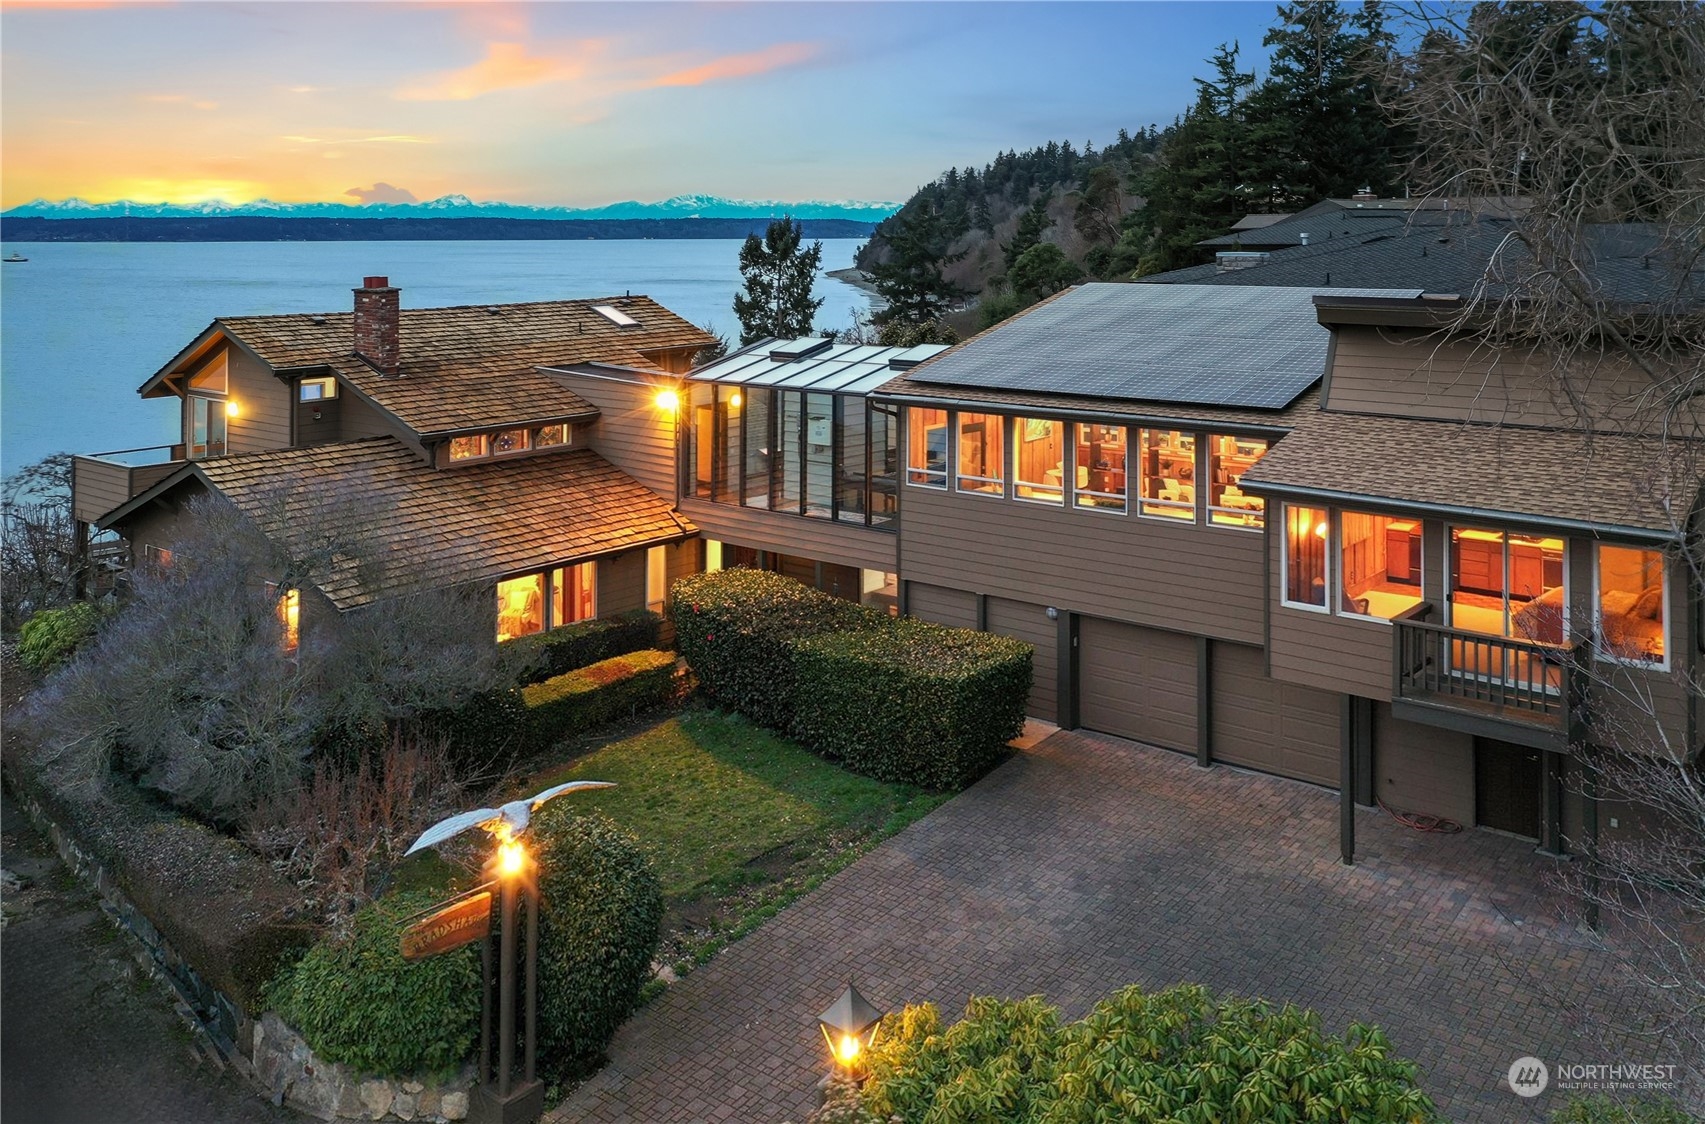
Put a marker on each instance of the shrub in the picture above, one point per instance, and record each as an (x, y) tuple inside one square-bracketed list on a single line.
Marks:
[(912, 701), (360, 1003), (599, 917), (1170, 1055), (1600, 1109), (606, 691), (49, 637), (736, 629), (544, 655), (484, 731)]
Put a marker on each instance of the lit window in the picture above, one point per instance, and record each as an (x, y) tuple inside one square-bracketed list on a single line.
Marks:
[(1305, 557), (520, 606), (1631, 604), (467, 448), (290, 619), (157, 556), (1168, 474), (1039, 451), (1507, 584), (1379, 558), (574, 594), (656, 578), (207, 418), (213, 377), (1099, 458), (549, 435), (981, 459), (926, 441), (510, 441), (712, 556), (314, 390), (1228, 459)]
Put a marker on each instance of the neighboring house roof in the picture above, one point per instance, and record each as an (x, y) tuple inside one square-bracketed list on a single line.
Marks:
[(1196, 346), (1319, 227), (426, 528), (468, 367), (1257, 222), (1635, 485), (815, 364)]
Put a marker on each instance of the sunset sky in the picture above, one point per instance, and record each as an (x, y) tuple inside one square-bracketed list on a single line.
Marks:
[(571, 104)]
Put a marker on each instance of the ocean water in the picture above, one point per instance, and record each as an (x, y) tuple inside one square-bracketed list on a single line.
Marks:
[(82, 325)]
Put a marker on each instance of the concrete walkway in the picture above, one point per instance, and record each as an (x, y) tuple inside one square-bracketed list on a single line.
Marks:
[(85, 1038), (1088, 863)]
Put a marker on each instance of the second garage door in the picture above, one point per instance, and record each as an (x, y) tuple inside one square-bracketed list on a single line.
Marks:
[(1275, 727), (1137, 683)]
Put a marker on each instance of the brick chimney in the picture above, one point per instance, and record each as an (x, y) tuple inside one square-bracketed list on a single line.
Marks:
[(377, 311)]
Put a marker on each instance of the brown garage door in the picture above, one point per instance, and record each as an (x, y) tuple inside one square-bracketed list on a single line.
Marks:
[(1137, 683), (956, 607), (1275, 727), (1030, 624)]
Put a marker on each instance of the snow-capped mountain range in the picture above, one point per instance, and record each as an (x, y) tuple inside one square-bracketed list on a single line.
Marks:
[(460, 206)]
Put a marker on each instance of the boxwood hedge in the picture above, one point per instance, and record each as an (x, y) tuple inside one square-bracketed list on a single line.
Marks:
[(544, 655), (901, 700), (606, 691)]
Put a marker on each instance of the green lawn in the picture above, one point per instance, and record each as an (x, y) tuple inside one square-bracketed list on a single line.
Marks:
[(738, 820)]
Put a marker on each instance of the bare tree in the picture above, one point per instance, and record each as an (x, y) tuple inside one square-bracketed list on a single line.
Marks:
[(38, 540)]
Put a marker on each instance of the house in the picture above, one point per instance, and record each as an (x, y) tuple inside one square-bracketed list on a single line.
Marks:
[(443, 431)]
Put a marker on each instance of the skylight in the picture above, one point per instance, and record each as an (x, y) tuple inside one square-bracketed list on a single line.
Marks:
[(615, 316)]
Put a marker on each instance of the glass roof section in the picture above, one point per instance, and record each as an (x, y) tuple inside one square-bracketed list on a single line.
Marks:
[(839, 368)]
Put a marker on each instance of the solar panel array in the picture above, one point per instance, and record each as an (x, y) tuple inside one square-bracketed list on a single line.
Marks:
[(842, 368), (1257, 347)]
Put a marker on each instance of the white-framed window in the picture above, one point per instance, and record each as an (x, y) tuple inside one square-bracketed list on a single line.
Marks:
[(1098, 462), (214, 376), (1631, 605), (1228, 504), (530, 603), (316, 389), (926, 447), (1508, 583), (1039, 460), (1168, 474), (982, 454), (207, 417), (1305, 562), (1379, 559)]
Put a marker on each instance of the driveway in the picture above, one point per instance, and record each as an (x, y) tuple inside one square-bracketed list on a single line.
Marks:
[(1087, 863)]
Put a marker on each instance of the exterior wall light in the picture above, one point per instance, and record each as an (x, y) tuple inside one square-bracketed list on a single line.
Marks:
[(1052, 612), (231, 410), (849, 1027), (668, 400)]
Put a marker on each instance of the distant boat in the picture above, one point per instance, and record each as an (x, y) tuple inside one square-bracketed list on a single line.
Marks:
[(14, 256)]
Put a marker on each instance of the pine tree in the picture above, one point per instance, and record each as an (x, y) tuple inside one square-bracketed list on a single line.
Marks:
[(911, 280), (776, 301), (1031, 226)]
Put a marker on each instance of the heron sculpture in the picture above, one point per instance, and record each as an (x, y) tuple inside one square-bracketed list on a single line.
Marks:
[(505, 823)]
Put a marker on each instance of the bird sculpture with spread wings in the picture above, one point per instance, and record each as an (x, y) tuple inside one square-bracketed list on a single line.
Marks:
[(505, 823)]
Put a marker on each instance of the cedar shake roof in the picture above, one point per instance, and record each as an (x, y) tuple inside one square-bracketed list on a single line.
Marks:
[(472, 366), (431, 528), (1609, 482)]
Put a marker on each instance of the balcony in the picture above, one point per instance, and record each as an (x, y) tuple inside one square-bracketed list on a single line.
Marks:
[(1521, 691), (103, 482)]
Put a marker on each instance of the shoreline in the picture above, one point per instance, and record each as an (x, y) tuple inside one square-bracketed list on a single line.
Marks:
[(854, 276)]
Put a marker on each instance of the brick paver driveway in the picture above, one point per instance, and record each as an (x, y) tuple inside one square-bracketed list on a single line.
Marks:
[(1088, 863)]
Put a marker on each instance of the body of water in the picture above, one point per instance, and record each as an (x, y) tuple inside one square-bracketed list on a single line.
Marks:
[(82, 325)]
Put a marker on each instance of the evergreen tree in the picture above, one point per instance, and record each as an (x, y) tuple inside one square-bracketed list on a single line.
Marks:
[(776, 301), (1043, 270), (1032, 224), (911, 280)]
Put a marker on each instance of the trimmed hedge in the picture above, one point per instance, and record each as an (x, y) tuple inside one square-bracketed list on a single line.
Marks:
[(1177, 1054), (737, 628), (50, 636), (950, 699), (897, 699), (604, 692), (544, 655), (360, 1003), (489, 727), (601, 906)]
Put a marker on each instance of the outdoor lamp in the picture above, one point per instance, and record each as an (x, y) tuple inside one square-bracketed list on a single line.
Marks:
[(668, 400), (511, 858), (849, 1027), (232, 409)]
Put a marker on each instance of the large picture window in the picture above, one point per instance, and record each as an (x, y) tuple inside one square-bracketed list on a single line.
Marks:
[(981, 454), (1039, 452), (1379, 564), (1228, 459), (1168, 474), (1305, 576), (1507, 584), (926, 447), (207, 427), (1632, 604), (1099, 459), (520, 606), (534, 602)]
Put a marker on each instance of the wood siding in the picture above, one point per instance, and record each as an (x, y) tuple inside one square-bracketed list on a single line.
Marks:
[(98, 486), (631, 432), (621, 583), (160, 524), (1412, 373), (263, 406), (955, 607), (1325, 650), (793, 534), (1030, 624), (1202, 580), (1424, 769), (1138, 683), (1261, 723)]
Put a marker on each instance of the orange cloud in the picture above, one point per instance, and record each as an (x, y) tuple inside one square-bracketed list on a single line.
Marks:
[(506, 66), (741, 66)]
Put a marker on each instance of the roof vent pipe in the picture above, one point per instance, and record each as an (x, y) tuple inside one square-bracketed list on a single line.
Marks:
[(1304, 237), (378, 318)]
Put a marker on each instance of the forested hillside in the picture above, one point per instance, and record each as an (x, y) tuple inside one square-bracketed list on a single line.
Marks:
[(1031, 223)]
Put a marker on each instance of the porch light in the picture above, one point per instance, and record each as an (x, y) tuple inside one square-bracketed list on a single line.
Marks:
[(849, 1027), (231, 410), (668, 400), (511, 858)]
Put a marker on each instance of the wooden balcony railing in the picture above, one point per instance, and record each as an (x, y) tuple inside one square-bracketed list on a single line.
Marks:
[(1499, 677), (103, 482)]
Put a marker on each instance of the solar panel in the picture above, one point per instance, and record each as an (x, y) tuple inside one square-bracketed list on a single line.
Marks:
[(1206, 345)]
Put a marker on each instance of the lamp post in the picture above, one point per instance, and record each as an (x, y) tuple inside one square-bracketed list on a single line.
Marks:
[(849, 1026), (501, 1097)]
